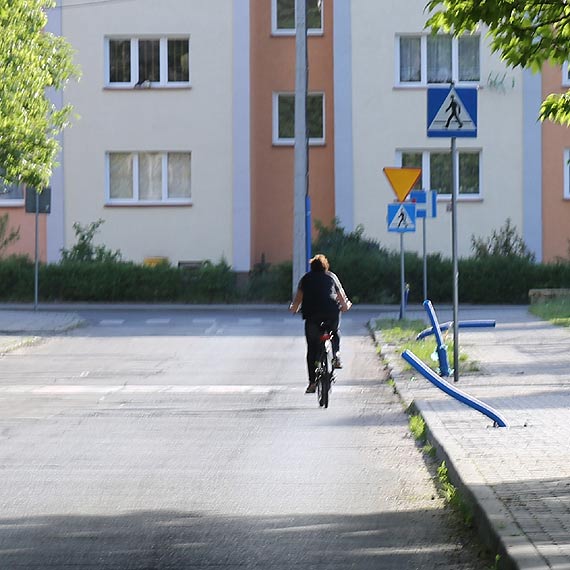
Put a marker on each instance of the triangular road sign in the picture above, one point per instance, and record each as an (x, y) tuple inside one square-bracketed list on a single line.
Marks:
[(453, 116), (402, 180)]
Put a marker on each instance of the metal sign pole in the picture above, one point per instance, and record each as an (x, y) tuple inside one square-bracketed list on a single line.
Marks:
[(402, 280), (454, 194), (36, 254), (425, 256)]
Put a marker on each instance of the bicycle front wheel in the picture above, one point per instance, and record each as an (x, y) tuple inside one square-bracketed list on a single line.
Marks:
[(324, 387)]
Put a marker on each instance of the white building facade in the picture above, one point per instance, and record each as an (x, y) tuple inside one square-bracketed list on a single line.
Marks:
[(393, 61), (151, 151)]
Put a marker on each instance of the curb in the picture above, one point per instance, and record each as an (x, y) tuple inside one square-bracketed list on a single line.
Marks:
[(494, 525)]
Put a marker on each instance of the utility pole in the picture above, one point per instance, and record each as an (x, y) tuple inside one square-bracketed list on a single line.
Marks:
[(301, 146)]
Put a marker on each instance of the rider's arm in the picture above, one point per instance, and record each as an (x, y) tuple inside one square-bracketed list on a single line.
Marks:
[(341, 296), (297, 301)]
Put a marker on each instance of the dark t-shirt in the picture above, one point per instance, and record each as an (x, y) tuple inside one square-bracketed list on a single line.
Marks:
[(319, 295)]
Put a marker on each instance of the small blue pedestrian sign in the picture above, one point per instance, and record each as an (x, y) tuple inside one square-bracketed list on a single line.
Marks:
[(452, 112), (402, 217)]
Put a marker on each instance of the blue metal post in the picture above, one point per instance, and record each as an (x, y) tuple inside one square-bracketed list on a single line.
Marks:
[(441, 348)]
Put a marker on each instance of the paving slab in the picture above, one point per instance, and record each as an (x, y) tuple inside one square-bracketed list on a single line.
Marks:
[(517, 478)]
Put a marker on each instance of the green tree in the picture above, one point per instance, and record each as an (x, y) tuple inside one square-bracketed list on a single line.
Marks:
[(527, 33), (32, 61)]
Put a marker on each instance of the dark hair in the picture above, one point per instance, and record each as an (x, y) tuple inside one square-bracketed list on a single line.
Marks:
[(319, 263)]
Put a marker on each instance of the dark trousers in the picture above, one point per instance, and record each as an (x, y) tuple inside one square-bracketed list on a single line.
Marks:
[(313, 333)]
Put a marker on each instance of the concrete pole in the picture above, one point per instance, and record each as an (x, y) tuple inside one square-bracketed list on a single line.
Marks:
[(301, 145)]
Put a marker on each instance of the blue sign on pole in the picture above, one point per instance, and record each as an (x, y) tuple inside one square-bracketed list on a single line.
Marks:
[(425, 201), (402, 217), (452, 112)]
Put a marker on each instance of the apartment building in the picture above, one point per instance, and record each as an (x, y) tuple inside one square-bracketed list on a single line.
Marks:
[(555, 173), (183, 141)]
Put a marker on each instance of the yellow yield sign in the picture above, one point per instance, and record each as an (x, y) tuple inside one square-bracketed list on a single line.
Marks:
[(402, 180)]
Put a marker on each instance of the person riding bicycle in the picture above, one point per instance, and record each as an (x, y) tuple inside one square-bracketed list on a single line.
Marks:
[(321, 298)]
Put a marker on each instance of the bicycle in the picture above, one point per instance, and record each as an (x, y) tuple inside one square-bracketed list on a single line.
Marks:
[(324, 376)]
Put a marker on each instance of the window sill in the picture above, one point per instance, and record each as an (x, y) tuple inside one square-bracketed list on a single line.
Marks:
[(152, 88), (420, 86), (149, 204), (291, 143), (11, 203), (460, 198), (291, 33)]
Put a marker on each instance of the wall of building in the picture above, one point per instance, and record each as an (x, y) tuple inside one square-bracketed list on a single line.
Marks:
[(556, 208), (272, 167), (197, 120), (387, 118)]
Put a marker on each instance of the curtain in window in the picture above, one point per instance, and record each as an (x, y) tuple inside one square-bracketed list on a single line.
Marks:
[(120, 61), (178, 60), (149, 60), (439, 59), (469, 69), (413, 160), (410, 59), (150, 176), (121, 175), (179, 175)]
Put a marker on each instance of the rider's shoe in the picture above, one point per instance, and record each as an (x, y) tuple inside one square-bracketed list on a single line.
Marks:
[(311, 388), (336, 362)]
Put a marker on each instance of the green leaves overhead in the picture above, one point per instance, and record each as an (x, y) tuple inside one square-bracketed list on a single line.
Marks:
[(527, 33), (32, 61)]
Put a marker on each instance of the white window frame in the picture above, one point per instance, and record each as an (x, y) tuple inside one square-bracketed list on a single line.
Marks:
[(426, 178), (423, 63), (291, 141), (163, 55), (275, 31), (566, 165), (135, 200), (13, 202), (565, 73)]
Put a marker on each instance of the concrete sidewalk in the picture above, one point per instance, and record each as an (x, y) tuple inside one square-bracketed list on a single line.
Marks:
[(517, 478)]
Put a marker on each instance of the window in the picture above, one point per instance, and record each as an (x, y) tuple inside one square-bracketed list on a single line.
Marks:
[(567, 174), (436, 170), (566, 74), (148, 177), (12, 194), (432, 59), (147, 62), (283, 17), (284, 118)]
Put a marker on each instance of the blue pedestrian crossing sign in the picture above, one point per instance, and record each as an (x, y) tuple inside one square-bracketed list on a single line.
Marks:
[(402, 217), (452, 112)]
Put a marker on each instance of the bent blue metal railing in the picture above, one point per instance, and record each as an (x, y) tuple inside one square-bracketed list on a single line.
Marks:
[(480, 323), (452, 391), (441, 349)]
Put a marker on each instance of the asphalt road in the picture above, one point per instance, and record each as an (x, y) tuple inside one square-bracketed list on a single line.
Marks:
[(184, 440)]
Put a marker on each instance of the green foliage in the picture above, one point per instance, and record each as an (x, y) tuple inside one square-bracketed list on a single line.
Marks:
[(32, 60), (526, 33), (16, 278), (271, 283), (557, 311), (7, 236), (84, 251), (505, 242), (418, 428)]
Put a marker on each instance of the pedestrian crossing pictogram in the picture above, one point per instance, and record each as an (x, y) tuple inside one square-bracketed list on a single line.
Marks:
[(452, 113), (402, 217)]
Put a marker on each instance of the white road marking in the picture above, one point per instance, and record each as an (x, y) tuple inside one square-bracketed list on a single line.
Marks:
[(157, 321), (111, 322), (254, 321)]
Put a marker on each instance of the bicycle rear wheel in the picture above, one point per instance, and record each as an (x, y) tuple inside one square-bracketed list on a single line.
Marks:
[(324, 385)]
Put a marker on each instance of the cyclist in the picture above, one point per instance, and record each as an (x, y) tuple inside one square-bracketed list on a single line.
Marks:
[(321, 298)]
